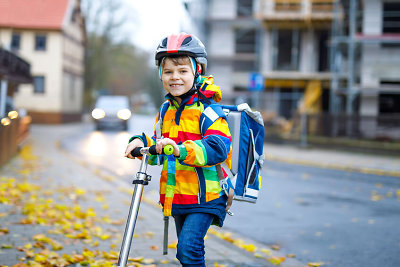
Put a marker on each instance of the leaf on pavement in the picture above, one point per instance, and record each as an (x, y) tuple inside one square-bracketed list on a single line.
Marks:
[(315, 264), (276, 260), (6, 246), (276, 247), (173, 244)]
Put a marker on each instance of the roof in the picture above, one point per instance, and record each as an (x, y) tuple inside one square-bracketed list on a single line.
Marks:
[(33, 14), (14, 68)]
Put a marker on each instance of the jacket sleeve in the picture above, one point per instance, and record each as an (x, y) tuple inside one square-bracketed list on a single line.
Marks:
[(215, 145)]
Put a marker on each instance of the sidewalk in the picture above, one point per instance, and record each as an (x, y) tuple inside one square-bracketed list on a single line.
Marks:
[(56, 210), (334, 159)]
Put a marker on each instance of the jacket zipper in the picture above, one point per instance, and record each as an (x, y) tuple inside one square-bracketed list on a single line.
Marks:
[(198, 179)]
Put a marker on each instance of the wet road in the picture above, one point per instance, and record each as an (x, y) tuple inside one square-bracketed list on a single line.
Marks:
[(320, 215)]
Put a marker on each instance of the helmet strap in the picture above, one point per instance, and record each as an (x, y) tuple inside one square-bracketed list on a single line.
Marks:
[(160, 68)]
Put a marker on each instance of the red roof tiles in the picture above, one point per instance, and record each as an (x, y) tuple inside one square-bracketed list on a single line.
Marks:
[(33, 14)]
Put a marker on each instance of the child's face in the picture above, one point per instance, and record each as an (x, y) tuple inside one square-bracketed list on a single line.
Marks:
[(177, 76)]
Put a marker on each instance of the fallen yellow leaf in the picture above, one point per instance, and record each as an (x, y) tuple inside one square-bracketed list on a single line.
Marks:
[(173, 244), (147, 261), (137, 259), (315, 264), (276, 247), (276, 260)]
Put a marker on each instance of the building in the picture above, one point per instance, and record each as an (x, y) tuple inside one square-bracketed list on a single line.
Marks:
[(284, 41), (50, 35), (379, 81), (366, 67), (338, 60)]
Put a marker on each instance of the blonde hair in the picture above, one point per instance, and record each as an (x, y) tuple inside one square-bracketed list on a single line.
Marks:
[(180, 60)]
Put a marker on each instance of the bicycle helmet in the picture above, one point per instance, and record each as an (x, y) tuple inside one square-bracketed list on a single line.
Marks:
[(186, 45)]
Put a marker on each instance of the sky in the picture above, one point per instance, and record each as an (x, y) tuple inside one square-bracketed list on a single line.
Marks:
[(152, 21)]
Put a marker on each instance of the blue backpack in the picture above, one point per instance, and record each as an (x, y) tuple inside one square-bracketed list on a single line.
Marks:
[(247, 130), (243, 179)]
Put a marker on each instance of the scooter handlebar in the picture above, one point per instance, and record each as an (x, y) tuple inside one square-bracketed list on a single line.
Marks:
[(139, 151)]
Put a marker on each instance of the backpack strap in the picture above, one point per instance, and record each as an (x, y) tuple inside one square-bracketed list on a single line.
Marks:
[(161, 113), (226, 186), (209, 115)]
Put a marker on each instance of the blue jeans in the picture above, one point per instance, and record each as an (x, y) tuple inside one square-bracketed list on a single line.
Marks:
[(191, 229)]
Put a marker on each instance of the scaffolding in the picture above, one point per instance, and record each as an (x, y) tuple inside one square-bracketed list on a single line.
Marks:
[(347, 38)]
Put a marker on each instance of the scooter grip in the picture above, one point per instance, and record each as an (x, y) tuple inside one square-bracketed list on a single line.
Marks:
[(152, 150), (167, 150), (136, 152)]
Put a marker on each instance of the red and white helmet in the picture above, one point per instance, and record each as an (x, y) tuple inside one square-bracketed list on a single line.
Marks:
[(186, 45)]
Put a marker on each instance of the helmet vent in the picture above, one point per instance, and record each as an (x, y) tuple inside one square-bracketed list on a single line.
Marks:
[(164, 42), (186, 40)]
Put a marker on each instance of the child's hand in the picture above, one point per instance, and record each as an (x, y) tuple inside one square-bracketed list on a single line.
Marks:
[(131, 146), (161, 143)]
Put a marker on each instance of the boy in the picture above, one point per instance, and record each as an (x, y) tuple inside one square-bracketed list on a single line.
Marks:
[(195, 126)]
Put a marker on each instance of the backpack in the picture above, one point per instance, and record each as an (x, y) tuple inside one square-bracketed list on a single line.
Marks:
[(247, 130)]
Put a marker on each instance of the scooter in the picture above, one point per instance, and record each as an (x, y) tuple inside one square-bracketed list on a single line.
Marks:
[(141, 179)]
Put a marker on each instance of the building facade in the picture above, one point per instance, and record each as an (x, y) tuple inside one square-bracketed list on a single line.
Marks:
[(284, 41), (50, 35), (379, 78), (331, 57)]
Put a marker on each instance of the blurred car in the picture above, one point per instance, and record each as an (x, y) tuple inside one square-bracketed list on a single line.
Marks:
[(111, 111)]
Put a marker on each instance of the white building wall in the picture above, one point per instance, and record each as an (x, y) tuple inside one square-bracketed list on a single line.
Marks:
[(222, 76), (372, 25), (222, 9), (221, 40), (266, 51), (73, 69), (372, 17), (308, 48), (43, 63), (220, 49)]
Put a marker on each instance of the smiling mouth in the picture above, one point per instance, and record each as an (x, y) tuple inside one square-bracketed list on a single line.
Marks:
[(175, 85)]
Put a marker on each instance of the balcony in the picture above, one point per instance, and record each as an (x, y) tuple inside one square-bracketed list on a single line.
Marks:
[(301, 12)]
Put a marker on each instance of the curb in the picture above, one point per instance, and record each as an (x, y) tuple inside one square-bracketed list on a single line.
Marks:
[(333, 166)]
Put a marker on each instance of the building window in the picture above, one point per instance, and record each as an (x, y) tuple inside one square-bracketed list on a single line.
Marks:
[(391, 17), (389, 110), (40, 42), (244, 8), (245, 49), (389, 103), (286, 49), (323, 50), (74, 15), (38, 84), (245, 41), (15, 41)]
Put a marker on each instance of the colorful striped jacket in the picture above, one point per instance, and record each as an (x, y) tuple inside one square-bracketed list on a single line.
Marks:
[(201, 132)]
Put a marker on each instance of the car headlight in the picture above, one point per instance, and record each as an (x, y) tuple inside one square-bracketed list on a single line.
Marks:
[(98, 113), (124, 114)]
